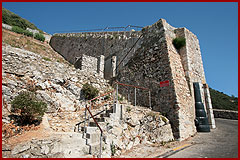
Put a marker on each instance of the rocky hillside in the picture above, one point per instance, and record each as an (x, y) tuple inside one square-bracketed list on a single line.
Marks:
[(30, 65), (12, 19), (223, 101)]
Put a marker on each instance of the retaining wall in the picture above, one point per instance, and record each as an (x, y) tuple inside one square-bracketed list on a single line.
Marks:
[(226, 114)]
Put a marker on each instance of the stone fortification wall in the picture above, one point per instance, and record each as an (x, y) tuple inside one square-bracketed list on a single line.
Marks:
[(153, 59), (109, 44), (157, 60), (87, 63)]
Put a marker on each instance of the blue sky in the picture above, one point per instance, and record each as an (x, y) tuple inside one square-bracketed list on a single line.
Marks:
[(215, 24)]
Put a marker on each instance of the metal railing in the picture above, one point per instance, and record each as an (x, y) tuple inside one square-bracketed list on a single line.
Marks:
[(104, 29), (115, 100), (135, 92), (91, 115)]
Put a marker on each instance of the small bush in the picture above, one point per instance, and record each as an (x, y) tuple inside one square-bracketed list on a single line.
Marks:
[(30, 108), (120, 98), (46, 59), (113, 149), (39, 37), (128, 109), (18, 30), (89, 91), (28, 33), (22, 31), (179, 42)]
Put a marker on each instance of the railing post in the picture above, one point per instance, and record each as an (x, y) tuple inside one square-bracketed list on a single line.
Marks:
[(135, 96), (100, 150), (128, 95), (88, 114), (117, 93), (85, 116), (150, 99)]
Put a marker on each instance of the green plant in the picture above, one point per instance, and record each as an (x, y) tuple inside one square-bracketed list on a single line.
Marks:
[(46, 59), (107, 97), (39, 37), (113, 149), (120, 98), (128, 109), (179, 42), (165, 120), (12, 19), (153, 114), (30, 108), (89, 91), (223, 101), (18, 30), (28, 33)]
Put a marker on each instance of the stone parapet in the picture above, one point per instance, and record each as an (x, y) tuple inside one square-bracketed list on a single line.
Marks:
[(226, 114)]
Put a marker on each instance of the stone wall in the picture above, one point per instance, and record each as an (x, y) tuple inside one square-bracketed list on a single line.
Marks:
[(95, 44), (226, 114), (157, 60), (153, 59), (6, 26)]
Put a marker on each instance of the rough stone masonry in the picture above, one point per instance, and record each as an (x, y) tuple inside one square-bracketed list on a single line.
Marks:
[(151, 60)]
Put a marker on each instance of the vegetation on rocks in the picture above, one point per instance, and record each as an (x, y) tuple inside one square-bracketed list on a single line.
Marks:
[(39, 37), (12, 19), (223, 101), (22, 31), (89, 91), (29, 107), (179, 42)]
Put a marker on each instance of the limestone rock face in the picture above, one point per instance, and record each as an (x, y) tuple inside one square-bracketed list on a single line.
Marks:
[(56, 83)]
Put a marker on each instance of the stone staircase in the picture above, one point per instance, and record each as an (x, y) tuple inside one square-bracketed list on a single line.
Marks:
[(92, 134)]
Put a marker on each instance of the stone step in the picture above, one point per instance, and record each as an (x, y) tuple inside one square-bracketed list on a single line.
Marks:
[(109, 111), (100, 119), (91, 129), (94, 148), (105, 115), (92, 138), (93, 124)]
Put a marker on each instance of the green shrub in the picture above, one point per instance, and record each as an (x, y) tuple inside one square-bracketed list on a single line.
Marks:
[(89, 91), (223, 101), (28, 33), (22, 31), (39, 37), (18, 29), (12, 19), (46, 59), (120, 98), (113, 149), (30, 108), (128, 109), (179, 42)]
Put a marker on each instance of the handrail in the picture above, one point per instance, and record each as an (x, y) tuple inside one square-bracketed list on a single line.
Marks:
[(149, 92), (91, 112), (132, 86), (94, 120), (101, 96)]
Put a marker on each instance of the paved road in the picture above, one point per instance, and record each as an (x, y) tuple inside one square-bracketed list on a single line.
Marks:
[(221, 142)]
